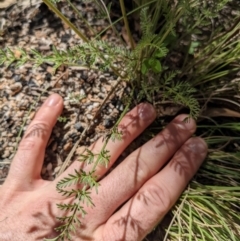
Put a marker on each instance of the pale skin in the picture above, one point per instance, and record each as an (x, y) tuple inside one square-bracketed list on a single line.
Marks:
[(131, 199)]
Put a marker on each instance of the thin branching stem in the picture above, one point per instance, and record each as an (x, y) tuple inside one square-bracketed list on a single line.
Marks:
[(126, 24), (110, 20), (127, 14)]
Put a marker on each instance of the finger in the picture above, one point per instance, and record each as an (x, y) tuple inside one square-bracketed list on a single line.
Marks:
[(156, 197), (140, 166), (132, 124), (28, 160)]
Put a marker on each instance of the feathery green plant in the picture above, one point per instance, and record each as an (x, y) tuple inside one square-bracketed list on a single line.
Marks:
[(145, 67), (87, 180), (137, 66)]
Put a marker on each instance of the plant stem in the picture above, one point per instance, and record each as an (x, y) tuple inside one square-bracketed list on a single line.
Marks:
[(65, 20), (109, 20), (72, 26), (80, 16), (127, 14), (126, 23)]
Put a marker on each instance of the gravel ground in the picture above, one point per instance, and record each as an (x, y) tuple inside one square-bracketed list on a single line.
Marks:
[(20, 88)]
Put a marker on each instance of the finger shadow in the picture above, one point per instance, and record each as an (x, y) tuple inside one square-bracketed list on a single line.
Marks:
[(45, 223), (183, 167), (134, 122)]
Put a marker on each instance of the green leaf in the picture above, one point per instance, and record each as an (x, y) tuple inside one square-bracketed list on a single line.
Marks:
[(144, 68), (159, 54), (193, 46), (157, 66), (150, 62)]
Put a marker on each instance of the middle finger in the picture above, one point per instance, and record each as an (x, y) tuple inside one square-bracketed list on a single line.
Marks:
[(132, 124)]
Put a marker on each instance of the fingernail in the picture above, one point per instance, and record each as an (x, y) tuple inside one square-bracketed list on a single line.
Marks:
[(198, 145), (184, 122), (52, 100), (146, 112)]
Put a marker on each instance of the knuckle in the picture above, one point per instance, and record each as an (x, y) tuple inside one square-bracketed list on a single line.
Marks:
[(26, 145)]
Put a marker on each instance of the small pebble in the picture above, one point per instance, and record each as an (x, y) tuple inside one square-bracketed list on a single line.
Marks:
[(90, 117), (107, 123), (49, 167), (15, 88), (78, 126), (6, 153), (67, 146), (56, 169), (32, 114), (4, 133)]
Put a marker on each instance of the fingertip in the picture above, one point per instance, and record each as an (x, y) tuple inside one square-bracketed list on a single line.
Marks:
[(186, 121), (146, 112), (51, 108), (199, 146), (137, 120), (53, 100)]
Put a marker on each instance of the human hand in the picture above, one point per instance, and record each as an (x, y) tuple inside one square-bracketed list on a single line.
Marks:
[(131, 199)]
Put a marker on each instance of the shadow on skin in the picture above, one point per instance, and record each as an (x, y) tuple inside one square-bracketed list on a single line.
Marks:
[(134, 121), (39, 130), (43, 221), (129, 222), (183, 167), (183, 164)]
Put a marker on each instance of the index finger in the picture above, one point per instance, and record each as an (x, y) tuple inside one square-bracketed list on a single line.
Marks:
[(28, 160)]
